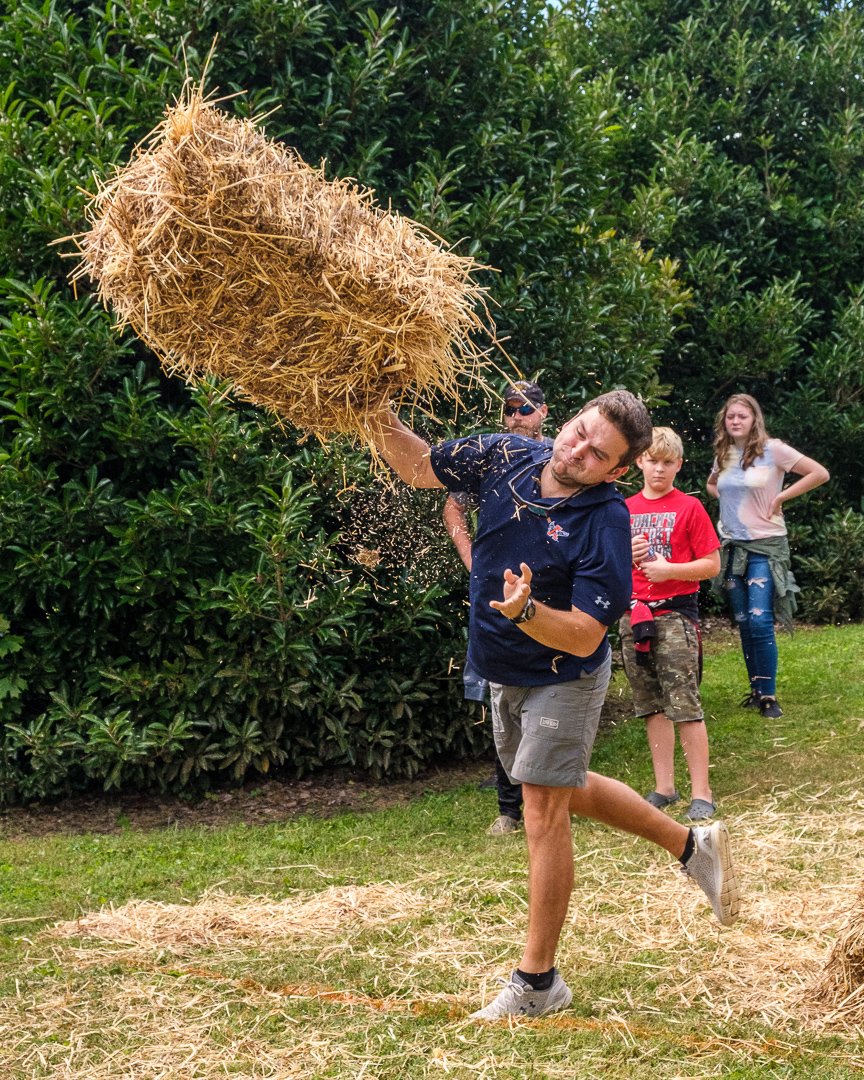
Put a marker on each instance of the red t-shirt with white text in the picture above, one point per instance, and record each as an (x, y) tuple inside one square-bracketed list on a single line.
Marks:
[(679, 529)]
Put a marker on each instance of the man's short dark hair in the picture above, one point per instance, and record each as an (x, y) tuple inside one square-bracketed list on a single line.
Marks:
[(630, 417)]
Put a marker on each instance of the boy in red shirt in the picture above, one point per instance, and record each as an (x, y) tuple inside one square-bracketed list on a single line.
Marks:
[(675, 547)]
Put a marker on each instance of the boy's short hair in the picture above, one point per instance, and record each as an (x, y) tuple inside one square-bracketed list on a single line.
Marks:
[(665, 445)]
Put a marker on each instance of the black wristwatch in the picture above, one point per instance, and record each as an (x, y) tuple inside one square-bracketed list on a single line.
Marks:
[(528, 612)]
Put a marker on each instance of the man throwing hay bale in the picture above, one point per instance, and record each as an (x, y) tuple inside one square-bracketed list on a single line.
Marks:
[(538, 634)]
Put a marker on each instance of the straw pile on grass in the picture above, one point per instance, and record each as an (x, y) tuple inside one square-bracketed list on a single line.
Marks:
[(218, 920), (838, 992), (232, 258)]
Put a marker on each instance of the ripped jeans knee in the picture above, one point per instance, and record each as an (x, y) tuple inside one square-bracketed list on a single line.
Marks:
[(751, 597)]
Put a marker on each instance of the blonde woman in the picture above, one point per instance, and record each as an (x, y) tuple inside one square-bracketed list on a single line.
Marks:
[(747, 477)]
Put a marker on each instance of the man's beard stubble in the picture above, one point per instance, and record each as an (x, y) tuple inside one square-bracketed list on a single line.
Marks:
[(567, 479)]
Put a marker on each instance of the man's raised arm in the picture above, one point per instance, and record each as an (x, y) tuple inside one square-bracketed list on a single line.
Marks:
[(404, 451)]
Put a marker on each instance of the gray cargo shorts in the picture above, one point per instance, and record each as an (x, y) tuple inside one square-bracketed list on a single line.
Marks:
[(545, 734)]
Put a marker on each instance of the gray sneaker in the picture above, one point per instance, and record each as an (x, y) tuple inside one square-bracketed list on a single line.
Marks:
[(502, 825), (711, 868), (518, 999)]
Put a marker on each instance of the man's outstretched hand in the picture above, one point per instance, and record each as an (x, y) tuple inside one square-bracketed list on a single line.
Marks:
[(517, 589)]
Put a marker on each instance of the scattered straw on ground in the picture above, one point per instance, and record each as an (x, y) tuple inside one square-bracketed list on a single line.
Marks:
[(800, 872), (145, 1026), (219, 919), (231, 257), (633, 903), (632, 912)]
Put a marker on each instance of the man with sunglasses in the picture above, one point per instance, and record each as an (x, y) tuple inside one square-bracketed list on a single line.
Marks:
[(525, 411), (538, 634)]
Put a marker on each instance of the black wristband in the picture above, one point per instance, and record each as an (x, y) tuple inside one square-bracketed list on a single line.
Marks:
[(527, 612)]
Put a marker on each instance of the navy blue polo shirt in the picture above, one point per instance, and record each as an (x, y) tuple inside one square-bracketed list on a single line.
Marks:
[(579, 553)]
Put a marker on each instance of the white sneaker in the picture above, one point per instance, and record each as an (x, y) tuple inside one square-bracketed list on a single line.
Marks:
[(518, 999), (711, 868)]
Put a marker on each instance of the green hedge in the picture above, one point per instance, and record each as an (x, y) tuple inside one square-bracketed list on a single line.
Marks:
[(667, 193)]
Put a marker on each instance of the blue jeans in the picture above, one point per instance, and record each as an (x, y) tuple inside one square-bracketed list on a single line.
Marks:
[(752, 600)]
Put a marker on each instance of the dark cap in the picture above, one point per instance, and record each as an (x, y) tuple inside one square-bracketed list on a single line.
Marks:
[(525, 391)]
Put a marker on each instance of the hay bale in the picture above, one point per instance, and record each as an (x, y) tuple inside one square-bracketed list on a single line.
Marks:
[(838, 992), (231, 257)]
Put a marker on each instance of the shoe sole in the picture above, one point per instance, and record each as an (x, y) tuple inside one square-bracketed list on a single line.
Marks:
[(730, 899)]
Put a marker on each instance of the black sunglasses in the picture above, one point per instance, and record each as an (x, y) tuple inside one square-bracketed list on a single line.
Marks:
[(523, 410)]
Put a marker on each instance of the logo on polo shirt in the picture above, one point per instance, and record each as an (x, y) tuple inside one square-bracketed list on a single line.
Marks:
[(555, 530)]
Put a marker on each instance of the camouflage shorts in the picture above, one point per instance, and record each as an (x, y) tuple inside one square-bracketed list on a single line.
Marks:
[(669, 683)]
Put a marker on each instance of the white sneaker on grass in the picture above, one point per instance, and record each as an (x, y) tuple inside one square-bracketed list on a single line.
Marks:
[(711, 868), (518, 999)]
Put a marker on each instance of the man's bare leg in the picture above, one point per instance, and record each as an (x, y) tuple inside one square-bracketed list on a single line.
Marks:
[(546, 815), (615, 804), (550, 849), (709, 864), (550, 882)]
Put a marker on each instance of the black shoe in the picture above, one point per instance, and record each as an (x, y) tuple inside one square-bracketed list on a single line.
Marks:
[(752, 701), (661, 801), (484, 785), (770, 708)]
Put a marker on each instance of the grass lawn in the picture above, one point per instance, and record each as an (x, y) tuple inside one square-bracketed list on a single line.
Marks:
[(355, 946)]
